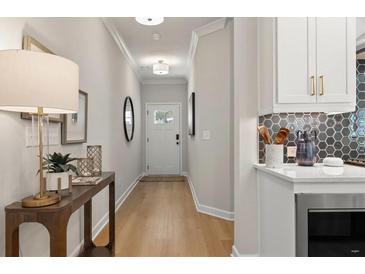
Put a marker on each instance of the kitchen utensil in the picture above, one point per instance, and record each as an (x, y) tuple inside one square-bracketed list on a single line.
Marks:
[(306, 149), (260, 129), (264, 132), (281, 136)]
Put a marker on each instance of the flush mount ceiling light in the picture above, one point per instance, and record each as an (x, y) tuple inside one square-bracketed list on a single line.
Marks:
[(150, 21), (160, 68)]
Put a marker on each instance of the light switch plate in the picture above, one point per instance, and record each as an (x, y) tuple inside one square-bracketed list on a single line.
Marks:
[(206, 135), (291, 151), (32, 140)]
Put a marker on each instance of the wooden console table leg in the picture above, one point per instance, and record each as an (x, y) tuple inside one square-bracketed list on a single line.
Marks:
[(112, 217), (88, 221), (57, 228), (12, 235)]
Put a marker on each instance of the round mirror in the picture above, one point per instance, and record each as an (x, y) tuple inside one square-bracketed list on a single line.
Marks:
[(128, 118)]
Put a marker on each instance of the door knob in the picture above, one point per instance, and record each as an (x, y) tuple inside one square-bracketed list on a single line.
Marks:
[(177, 143)]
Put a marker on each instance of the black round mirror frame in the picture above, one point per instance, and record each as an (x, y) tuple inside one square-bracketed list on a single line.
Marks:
[(128, 99)]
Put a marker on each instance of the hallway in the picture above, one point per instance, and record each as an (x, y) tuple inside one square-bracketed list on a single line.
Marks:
[(160, 219)]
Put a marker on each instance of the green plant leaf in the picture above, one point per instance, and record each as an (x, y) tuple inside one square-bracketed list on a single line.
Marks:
[(57, 163)]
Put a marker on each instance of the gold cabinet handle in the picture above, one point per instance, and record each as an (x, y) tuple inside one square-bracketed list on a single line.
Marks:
[(313, 90), (321, 91)]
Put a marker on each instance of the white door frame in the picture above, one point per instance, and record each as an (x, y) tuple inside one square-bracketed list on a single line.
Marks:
[(146, 130)]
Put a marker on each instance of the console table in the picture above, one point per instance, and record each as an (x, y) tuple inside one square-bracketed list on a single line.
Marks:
[(55, 218)]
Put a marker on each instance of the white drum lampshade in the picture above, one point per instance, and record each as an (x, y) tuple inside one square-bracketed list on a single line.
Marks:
[(39, 83), (29, 80)]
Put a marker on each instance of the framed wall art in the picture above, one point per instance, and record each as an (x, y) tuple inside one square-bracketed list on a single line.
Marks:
[(74, 126), (191, 114), (29, 43)]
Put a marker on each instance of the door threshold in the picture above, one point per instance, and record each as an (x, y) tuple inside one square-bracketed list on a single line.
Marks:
[(163, 178)]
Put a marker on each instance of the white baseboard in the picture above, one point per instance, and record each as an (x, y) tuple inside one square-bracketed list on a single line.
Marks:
[(216, 212), (105, 219), (235, 253)]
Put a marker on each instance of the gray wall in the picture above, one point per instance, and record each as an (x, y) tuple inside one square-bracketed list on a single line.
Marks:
[(106, 76), (162, 93), (210, 162)]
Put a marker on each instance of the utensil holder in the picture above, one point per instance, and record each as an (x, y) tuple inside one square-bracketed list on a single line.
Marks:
[(274, 156)]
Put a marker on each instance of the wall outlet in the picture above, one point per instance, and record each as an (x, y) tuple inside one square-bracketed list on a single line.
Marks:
[(206, 135), (291, 151)]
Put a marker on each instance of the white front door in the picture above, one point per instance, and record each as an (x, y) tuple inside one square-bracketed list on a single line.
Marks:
[(163, 139)]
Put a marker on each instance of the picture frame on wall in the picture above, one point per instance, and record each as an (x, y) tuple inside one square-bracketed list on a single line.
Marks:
[(74, 126), (29, 43), (191, 114)]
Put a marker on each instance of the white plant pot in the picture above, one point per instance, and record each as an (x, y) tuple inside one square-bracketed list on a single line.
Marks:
[(52, 180)]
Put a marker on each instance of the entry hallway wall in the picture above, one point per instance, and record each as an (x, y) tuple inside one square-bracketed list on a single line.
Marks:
[(166, 93), (210, 162), (245, 137), (106, 76)]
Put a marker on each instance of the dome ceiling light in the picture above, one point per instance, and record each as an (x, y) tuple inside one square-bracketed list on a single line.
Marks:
[(160, 68), (150, 21)]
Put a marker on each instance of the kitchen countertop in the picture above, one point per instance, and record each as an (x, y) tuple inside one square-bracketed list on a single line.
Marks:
[(316, 174)]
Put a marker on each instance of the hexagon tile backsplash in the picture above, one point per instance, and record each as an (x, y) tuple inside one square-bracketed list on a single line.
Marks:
[(340, 135)]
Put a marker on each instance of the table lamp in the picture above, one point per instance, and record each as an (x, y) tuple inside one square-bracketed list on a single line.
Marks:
[(40, 84)]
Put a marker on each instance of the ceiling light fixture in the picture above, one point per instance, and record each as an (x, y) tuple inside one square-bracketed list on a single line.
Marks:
[(150, 21), (160, 68)]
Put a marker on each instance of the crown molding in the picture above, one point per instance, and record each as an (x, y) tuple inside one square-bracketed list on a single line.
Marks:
[(165, 81), (196, 34), (192, 49), (200, 32), (211, 27), (121, 44)]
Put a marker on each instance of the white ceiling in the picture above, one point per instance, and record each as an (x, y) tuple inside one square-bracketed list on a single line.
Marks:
[(172, 48)]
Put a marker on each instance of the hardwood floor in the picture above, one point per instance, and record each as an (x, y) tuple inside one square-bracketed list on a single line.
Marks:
[(160, 219)]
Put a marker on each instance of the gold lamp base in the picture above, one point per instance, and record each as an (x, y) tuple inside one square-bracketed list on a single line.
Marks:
[(49, 198)]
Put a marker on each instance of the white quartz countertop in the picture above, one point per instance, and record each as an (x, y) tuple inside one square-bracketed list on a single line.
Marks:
[(316, 174)]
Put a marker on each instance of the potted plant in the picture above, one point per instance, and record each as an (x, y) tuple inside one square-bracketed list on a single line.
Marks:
[(58, 166)]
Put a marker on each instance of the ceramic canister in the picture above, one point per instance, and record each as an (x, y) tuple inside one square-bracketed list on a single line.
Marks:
[(274, 156)]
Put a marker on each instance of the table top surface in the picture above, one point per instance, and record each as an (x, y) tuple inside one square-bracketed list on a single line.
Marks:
[(79, 195)]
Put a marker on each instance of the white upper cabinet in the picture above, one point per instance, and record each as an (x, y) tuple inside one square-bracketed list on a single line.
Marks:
[(336, 60), (307, 65), (294, 46)]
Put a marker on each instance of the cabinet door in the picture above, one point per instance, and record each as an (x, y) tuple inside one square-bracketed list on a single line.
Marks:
[(336, 60), (295, 60)]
